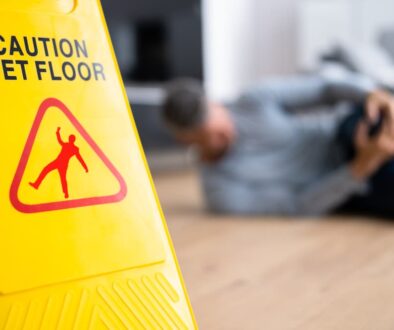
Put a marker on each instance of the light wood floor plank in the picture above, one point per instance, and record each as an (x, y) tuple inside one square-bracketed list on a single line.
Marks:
[(267, 273)]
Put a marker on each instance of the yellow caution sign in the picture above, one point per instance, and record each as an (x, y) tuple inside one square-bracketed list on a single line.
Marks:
[(84, 243)]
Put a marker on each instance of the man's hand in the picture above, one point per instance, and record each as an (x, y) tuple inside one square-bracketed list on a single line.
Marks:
[(372, 152), (380, 103)]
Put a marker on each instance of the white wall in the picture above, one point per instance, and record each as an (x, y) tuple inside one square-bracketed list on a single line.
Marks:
[(323, 24), (246, 40), (374, 15), (230, 45), (276, 30)]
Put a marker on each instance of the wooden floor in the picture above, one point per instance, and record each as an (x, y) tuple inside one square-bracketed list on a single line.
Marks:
[(264, 273)]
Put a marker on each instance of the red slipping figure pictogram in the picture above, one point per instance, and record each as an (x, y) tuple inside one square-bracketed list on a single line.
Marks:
[(69, 150)]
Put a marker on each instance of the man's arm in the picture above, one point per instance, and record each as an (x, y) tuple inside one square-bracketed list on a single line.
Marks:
[(59, 138), (329, 192), (79, 157), (300, 92), (371, 154)]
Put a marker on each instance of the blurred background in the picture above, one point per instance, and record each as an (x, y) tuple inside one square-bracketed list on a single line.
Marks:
[(246, 273), (229, 44)]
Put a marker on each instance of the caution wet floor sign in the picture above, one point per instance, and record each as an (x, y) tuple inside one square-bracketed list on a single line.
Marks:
[(84, 244)]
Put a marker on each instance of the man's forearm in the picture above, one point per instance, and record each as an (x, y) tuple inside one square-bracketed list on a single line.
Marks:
[(312, 90), (348, 87), (330, 192), (59, 138)]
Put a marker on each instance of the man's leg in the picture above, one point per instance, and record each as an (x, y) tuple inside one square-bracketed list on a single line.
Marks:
[(379, 198), (46, 170), (63, 180)]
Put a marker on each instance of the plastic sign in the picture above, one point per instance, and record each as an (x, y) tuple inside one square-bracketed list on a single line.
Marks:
[(84, 242)]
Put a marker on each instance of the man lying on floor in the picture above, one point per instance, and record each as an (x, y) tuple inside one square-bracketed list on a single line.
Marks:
[(260, 155)]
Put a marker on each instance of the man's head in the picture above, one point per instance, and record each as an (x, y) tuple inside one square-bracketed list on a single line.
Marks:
[(71, 138), (196, 121)]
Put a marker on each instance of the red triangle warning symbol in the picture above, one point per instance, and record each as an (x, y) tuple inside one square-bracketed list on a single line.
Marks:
[(68, 150)]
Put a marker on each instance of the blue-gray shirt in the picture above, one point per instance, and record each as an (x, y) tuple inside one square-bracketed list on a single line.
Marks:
[(285, 162)]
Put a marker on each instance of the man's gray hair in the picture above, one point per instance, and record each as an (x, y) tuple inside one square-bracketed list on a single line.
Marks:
[(185, 106)]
